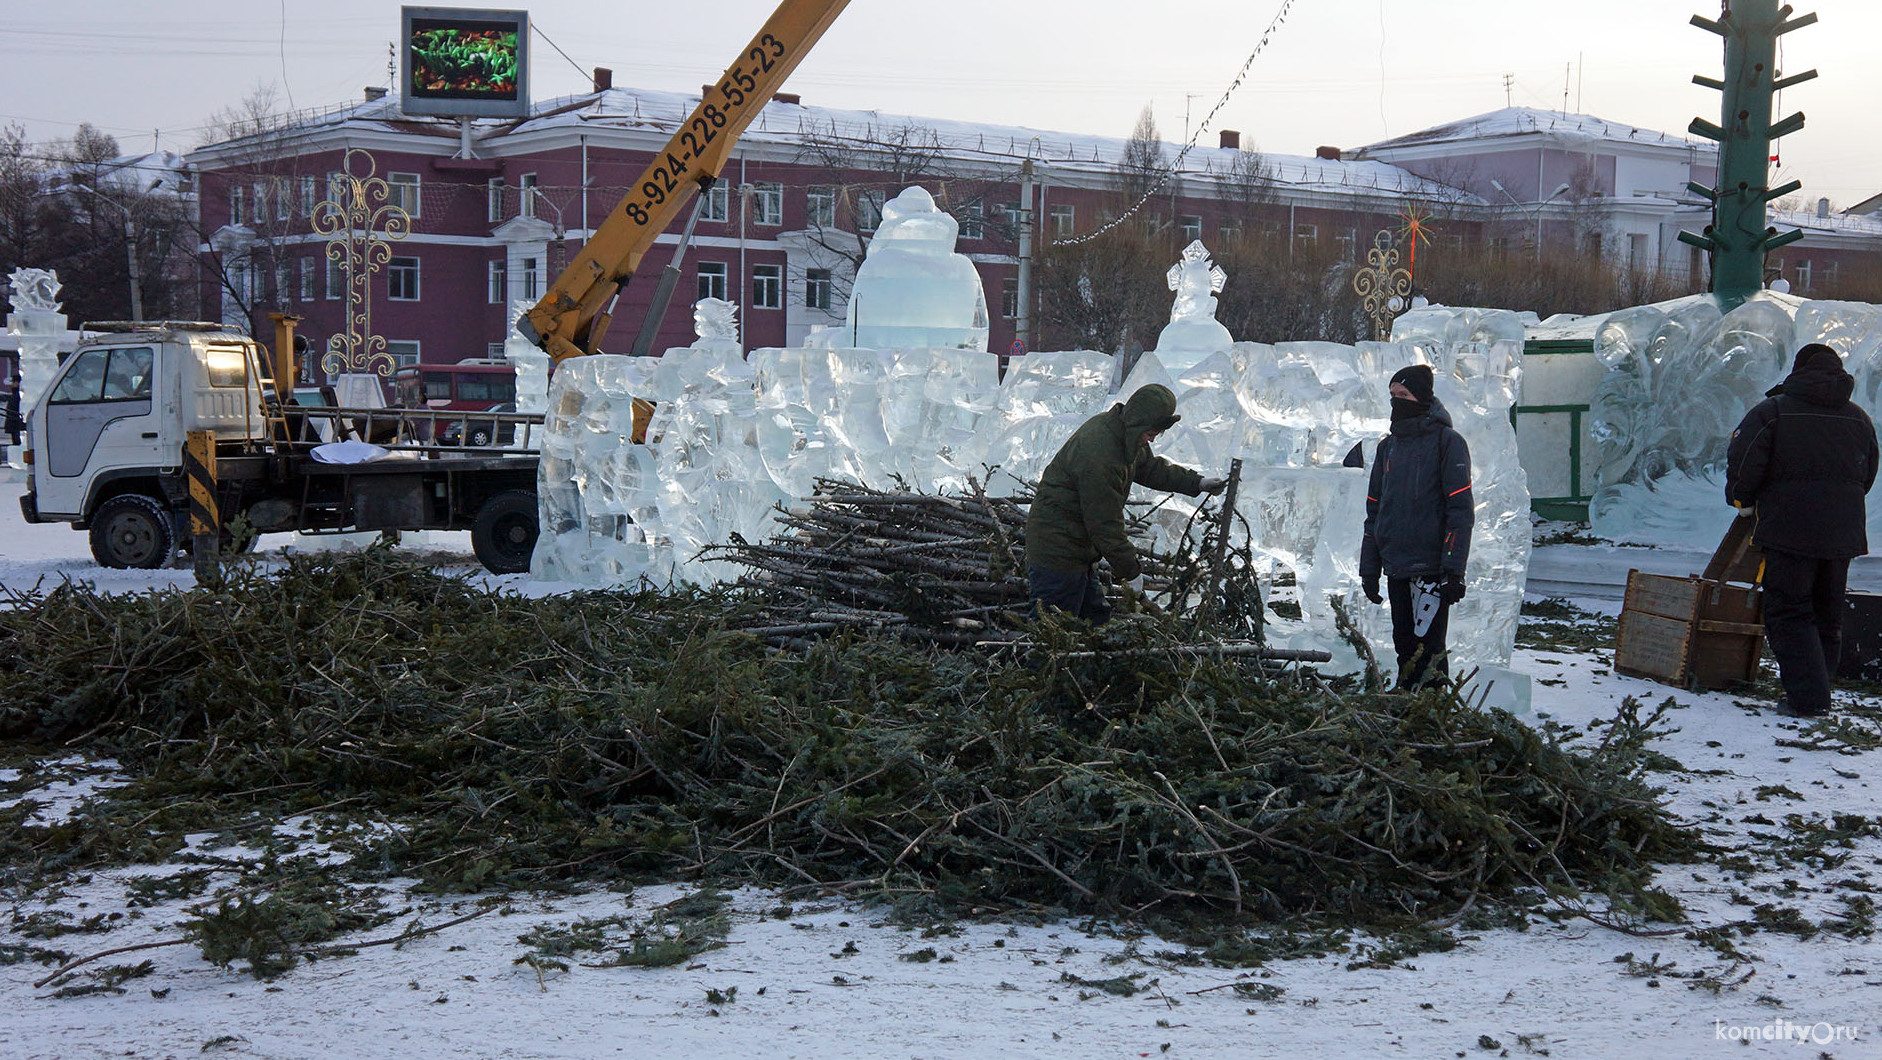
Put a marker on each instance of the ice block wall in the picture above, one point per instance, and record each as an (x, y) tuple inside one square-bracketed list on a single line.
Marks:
[(731, 439), (1680, 376)]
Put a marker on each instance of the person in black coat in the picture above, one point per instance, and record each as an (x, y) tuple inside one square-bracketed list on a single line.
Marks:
[(1418, 518), (1801, 462), (12, 423)]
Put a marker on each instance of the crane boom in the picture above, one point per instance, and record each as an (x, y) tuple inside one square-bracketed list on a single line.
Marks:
[(570, 320)]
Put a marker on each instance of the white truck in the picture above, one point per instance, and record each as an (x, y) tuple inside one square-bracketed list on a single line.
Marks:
[(104, 448)]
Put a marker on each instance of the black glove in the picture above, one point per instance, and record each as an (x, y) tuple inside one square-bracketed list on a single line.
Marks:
[(1371, 588), (1452, 590)]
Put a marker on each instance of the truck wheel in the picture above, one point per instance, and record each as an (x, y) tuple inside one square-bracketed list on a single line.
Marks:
[(132, 531), (504, 532)]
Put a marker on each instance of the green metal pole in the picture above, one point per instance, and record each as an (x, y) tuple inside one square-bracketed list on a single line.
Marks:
[(1737, 238)]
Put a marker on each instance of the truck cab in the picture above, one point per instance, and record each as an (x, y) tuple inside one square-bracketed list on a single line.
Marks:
[(105, 452), (116, 413)]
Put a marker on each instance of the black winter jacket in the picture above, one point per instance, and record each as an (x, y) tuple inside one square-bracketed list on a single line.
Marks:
[(1805, 458), (1418, 508)]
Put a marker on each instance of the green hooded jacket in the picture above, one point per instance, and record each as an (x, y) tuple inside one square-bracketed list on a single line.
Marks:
[(1078, 515)]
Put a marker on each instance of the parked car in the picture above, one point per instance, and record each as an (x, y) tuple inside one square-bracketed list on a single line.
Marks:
[(479, 432)]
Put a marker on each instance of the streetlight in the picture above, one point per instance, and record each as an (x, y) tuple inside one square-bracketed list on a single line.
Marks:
[(1535, 211), (130, 245)]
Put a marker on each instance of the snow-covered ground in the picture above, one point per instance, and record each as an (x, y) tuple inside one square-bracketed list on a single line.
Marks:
[(834, 980)]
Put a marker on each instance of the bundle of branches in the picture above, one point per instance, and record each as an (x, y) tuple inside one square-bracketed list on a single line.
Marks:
[(530, 742), (936, 568)]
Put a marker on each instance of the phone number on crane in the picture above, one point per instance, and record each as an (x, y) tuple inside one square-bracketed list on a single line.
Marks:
[(739, 88)]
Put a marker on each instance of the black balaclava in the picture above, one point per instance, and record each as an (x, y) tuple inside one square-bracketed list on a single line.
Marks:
[(1418, 379)]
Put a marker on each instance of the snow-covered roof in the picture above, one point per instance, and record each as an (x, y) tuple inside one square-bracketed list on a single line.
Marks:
[(1554, 126), (788, 124)]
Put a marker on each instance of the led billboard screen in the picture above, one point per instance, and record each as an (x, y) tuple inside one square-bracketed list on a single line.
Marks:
[(466, 62)]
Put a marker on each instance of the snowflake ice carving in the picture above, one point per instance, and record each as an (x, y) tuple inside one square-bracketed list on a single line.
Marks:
[(34, 289), (1195, 280)]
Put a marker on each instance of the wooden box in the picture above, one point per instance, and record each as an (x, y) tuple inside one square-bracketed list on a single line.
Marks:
[(1690, 632), (1701, 632)]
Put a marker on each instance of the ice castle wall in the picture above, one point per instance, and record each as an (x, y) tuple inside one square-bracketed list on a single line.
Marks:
[(733, 439)]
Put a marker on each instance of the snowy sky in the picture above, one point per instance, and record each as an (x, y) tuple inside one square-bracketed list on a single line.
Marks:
[(1341, 72)]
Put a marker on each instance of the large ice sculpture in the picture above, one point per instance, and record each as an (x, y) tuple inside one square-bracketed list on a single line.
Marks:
[(730, 441), (36, 326), (1680, 376), (912, 289), (1193, 331)]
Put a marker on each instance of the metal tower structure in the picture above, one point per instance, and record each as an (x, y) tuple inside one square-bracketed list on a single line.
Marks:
[(1737, 238)]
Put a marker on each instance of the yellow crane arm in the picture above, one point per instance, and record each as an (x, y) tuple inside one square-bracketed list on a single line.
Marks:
[(570, 320)]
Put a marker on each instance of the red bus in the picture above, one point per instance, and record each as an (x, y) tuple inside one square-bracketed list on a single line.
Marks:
[(468, 386)]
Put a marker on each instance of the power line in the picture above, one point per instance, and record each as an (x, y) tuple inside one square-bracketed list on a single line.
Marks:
[(1164, 176)]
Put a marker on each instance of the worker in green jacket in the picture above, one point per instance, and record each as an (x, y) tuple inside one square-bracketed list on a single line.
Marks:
[(1077, 518)]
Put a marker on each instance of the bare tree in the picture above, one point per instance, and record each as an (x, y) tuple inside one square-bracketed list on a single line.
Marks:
[(1143, 165)]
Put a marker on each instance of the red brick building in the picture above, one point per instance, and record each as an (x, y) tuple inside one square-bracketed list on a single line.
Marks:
[(783, 231)]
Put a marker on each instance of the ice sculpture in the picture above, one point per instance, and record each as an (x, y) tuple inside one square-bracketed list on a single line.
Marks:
[(1193, 331), (531, 364), (1680, 376), (913, 290), (37, 326), (731, 440)]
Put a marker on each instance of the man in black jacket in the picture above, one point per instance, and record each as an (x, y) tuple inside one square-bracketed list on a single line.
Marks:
[(1802, 461), (1418, 518)]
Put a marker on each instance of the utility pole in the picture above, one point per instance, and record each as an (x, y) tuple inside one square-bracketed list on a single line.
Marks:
[(1022, 314), (1737, 238)]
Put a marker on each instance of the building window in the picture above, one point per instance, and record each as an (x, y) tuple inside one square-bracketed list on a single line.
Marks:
[(868, 211), (526, 195), (402, 280), (1191, 226), (715, 208), (238, 202), (402, 192), (817, 288), (1829, 274), (1230, 232), (972, 218), (767, 204), (498, 283), (712, 279), (307, 279), (258, 204), (1803, 275), (1307, 235), (820, 206), (532, 280), (493, 200), (283, 202), (336, 280), (283, 281), (309, 195), (1349, 244), (767, 286), (1009, 212), (1063, 220), (403, 351), (1009, 298)]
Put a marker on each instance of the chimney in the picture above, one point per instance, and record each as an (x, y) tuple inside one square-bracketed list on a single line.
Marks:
[(1823, 208), (1231, 140), (1330, 154), (791, 98), (373, 93), (604, 79)]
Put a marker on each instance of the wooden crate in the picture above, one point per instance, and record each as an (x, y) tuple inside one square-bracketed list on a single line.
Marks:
[(1690, 632)]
